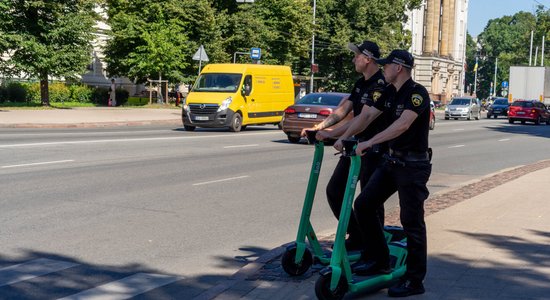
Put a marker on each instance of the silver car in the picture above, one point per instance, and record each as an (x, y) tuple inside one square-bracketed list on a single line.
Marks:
[(463, 107)]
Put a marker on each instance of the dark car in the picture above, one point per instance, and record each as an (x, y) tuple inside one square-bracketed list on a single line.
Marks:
[(498, 108), (528, 111), (310, 110)]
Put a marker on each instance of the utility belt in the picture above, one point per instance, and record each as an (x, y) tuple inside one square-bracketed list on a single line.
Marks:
[(397, 157)]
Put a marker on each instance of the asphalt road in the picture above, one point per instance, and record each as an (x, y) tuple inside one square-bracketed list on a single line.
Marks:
[(195, 206)]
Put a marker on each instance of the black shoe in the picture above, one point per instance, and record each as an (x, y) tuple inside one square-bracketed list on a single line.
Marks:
[(369, 268), (406, 288)]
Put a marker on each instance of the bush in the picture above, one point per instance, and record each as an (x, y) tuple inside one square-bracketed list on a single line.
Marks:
[(100, 96), (81, 93), (59, 92), (33, 92), (13, 92)]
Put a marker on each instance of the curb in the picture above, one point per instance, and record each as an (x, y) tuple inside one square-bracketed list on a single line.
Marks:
[(93, 124), (439, 201)]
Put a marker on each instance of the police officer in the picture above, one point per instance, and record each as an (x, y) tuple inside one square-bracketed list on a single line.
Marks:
[(365, 91), (406, 170)]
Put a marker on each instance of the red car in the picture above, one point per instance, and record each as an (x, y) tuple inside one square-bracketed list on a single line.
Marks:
[(528, 111), (310, 110)]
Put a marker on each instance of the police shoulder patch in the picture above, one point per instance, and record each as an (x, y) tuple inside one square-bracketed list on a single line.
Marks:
[(381, 81), (416, 99), (376, 95)]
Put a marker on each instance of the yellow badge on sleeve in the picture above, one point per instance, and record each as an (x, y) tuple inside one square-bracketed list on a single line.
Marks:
[(416, 99), (376, 95)]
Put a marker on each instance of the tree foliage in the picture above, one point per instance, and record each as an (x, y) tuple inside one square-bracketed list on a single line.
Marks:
[(281, 28), (46, 38), (507, 38)]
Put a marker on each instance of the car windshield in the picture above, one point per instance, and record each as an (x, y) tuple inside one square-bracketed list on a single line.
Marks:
[(320, 99), (459, 101), (501, 101), (522, 104), (217, 82)]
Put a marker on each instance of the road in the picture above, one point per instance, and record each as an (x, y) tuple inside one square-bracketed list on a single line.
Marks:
[(184, 208)]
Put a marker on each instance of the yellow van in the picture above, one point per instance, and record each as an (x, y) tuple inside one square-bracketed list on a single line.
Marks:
[(237, 95)]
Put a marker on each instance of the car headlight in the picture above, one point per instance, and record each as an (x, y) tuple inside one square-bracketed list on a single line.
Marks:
[(186, 108), (446, 109), (225, 104)]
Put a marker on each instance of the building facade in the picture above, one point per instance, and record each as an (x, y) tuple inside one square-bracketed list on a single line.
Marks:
[(438, 30)]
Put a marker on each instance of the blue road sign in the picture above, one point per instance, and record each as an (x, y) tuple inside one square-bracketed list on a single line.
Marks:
[(505, 84), (255, 53)]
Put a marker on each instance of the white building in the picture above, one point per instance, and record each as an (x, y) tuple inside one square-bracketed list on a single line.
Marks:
[(438, 31)]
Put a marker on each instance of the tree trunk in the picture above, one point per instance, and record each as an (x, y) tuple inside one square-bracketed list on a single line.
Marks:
[(44, 94)]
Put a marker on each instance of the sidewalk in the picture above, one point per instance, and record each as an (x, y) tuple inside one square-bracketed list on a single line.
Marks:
[(486, 240), (88, 117)]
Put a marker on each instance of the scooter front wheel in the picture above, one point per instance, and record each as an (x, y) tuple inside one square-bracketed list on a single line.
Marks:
[(322, 287), (291, 267)]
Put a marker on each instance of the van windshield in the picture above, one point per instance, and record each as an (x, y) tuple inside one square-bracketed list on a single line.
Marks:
[(217, 82), (460, 101)]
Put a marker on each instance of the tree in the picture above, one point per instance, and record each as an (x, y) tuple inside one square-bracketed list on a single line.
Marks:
[(508, 39), (148, 39), (340, 22), (47, 38)]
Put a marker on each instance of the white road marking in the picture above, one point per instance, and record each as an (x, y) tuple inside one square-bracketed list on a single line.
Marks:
[(458, 129), (125, 288), (456, 146), (129, 140), (32, 269), (38, 163), (503, 140), (241, 146), (220, 180)]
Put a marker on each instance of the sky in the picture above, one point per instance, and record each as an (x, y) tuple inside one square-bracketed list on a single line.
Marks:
[(481, 11)]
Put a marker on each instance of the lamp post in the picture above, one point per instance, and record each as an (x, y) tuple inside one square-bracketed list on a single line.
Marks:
[(475, 77), (312, 48), (495, 81)]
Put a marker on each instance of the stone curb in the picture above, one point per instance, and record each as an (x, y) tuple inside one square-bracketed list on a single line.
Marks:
[(93, 124), (439, 201)]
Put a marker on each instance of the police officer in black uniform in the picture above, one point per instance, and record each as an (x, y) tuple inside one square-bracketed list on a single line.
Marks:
[(406, 170), (366, 90)]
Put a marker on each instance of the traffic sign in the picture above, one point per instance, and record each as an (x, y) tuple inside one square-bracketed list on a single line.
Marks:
[(255, 53), (505, 84)]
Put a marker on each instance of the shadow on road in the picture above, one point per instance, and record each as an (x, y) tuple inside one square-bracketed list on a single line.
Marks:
[(84, 275)]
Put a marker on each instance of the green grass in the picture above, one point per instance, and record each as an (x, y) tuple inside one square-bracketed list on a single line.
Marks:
[(135, 103)]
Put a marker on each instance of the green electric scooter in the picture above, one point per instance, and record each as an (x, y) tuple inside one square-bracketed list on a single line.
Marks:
[(337, 279), (298, 258)]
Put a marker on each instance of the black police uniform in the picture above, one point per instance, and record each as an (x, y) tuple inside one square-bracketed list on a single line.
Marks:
[(365, 92), (406, 170)]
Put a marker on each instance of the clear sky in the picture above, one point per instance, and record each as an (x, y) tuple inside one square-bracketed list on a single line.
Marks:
[(481, 11)]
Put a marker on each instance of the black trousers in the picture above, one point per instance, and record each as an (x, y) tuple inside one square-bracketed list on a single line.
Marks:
[(410, 183), (336, 189)]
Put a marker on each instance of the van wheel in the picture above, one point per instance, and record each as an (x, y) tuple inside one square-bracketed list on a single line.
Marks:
[(236, 123), (511, 121), (189, 128)]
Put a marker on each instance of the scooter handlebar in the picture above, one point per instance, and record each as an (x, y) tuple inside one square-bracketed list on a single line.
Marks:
[(310, 134), (349, 147)]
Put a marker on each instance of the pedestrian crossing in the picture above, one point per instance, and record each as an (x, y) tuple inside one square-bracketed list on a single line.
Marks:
[(27, 274)]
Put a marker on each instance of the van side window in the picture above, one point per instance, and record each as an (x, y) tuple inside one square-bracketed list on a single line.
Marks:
[(247, 85)]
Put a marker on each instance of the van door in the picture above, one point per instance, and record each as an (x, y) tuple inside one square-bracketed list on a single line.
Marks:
[(248, 94)]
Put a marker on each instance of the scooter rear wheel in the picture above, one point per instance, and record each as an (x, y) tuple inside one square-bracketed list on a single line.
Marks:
[(322, 287), (296, 269)]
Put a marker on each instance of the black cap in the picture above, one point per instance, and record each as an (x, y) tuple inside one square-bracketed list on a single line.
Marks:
[(367, 48), (400, 57)]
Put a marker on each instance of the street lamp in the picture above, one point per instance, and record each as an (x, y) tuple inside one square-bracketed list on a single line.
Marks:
[(312, 48)]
